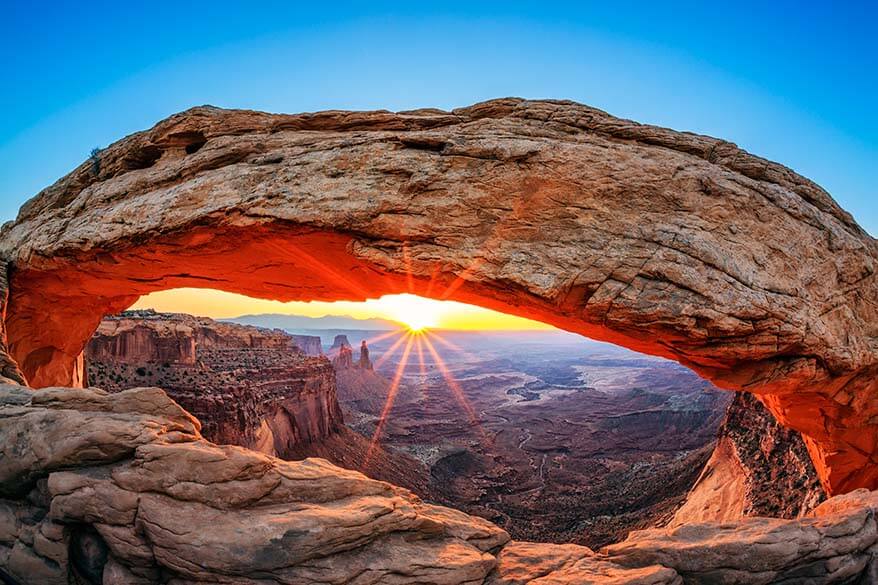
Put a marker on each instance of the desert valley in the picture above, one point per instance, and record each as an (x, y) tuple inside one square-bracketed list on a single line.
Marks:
[(551, 436)]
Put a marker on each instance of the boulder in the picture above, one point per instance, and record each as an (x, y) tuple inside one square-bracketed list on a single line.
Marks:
[(150, 501)]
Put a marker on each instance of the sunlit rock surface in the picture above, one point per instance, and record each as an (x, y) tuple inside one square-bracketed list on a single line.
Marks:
[(758, 468), (665, 242), (249, 386), (104, 489)]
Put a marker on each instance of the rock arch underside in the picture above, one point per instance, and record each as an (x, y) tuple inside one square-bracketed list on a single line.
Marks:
[(668, 243)]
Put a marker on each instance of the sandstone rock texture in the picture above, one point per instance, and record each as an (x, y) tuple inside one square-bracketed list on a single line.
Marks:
[(248, 386), (835, 545), (758, 468), (9, 370), (666, 242), (113, 489)]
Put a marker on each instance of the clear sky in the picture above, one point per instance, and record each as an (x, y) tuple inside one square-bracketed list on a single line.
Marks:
[(795, 82)]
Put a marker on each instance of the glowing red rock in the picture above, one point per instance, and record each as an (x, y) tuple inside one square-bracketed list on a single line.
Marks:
[(664, 242)]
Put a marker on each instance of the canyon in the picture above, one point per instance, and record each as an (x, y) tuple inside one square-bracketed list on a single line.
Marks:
[(122, 489), (560, 439), (672, 244), (248, 386), (540, 459), (567, 440), (668, 243)]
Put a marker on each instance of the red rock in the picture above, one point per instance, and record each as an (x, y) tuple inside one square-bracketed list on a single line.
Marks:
[(344, 358), (247, 385), (668, 243), (364, 363), (758, 468), (163, 505)]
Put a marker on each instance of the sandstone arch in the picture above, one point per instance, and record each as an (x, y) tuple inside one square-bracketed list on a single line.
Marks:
[(668, 243)]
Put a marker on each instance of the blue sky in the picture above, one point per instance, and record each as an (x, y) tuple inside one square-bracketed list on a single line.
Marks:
[(790, 81)]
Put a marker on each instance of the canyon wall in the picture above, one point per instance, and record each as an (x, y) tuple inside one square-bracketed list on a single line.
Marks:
[(665, 242), (310, 344), (9, 370), (780, 477), (758, 468), (248, 386)]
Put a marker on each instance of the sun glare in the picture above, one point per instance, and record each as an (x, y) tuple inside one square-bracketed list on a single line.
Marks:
[(416, 313)]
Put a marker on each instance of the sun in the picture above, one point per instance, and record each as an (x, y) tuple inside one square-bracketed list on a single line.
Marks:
[(415, 313)]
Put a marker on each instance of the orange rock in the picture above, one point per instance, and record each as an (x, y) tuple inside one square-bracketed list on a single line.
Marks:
[(668, 243)]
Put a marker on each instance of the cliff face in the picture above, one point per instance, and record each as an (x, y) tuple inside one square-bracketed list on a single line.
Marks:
[(310, 344), (758, 468), (248, 386)]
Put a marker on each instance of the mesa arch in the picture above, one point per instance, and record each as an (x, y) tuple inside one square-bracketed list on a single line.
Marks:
[(668, 243)]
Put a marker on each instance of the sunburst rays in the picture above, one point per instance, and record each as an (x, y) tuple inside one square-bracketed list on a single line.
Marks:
[(418, 338), (413, 336), (391, 396)]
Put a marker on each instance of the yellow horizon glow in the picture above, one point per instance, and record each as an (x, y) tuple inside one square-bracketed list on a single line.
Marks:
[(416, 313)]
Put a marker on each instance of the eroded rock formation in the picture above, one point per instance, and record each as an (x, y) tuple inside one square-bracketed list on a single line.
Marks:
[(310, 344), (364, 363), (665, 242), (758, 468), (344, 358), (339, 342), (122, 489), (247, 385)]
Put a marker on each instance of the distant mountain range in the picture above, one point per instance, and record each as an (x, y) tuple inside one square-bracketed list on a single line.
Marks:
[(299, 322)]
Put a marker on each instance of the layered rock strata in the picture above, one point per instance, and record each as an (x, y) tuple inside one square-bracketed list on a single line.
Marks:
[(665, 242), (113, 489), (247, 385)]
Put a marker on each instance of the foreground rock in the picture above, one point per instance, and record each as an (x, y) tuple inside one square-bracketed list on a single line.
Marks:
[(758, 468), (836, 546), (160, 503), (113, 489), (665, 242)]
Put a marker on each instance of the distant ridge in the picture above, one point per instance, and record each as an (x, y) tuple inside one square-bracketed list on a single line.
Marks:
[(299, 322)]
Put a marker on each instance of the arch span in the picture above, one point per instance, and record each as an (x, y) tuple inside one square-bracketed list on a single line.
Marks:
[(668, 243)]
